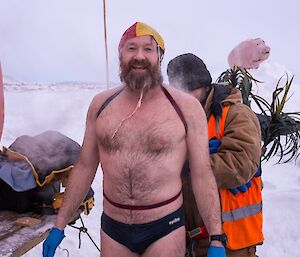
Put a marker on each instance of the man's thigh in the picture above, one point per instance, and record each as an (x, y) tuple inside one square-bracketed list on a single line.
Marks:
[(171, 245), (246, 252), (111, 248)]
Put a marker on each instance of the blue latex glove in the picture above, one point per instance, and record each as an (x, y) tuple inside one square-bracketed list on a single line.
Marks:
[(52, 241), (216, 251), (258, 172), (214, 145), (242, 188)]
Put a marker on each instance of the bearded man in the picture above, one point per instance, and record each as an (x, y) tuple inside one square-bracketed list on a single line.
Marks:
[(141, 133)]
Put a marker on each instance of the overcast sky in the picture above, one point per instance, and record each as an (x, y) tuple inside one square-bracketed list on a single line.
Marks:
[(63, 40)]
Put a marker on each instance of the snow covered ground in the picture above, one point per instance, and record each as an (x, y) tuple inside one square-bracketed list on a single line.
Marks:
[(31, 109)]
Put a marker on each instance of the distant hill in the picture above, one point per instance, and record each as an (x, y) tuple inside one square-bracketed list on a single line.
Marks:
[(10, 80), (11, 84)]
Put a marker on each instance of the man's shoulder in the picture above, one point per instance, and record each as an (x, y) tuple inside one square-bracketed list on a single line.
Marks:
[(180, 96), (101, 97), (239, 107), (188, 104), (240, 111)]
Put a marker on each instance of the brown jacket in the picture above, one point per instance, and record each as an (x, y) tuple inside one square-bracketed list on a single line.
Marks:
[(238, 157)]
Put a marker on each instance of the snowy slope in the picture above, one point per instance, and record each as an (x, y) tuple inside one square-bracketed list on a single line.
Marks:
[(31, 109)]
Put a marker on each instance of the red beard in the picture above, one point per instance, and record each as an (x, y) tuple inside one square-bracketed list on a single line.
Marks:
[(140, 74)]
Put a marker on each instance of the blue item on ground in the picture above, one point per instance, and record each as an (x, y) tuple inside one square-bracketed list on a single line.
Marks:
[(17, 174), (214, 145), (52, 241), (216, 251)]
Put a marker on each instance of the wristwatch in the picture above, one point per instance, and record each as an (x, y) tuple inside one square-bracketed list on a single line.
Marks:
[(222, 238)]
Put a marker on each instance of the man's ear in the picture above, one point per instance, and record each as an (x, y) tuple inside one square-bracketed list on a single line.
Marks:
[(161, 56), (160, 53)]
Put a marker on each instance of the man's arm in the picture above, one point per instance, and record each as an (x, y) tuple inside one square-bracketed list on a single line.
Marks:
[(237, 159), (203, 181), (83, 173), (1, 103)]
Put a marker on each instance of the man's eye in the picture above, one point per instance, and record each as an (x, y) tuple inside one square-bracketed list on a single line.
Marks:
[(148, 49), (131, 48)]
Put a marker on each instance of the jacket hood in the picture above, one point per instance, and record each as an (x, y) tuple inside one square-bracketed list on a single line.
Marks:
[(234, 96)]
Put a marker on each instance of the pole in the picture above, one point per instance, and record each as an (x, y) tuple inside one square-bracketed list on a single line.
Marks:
[(105, 43), (1, 103)]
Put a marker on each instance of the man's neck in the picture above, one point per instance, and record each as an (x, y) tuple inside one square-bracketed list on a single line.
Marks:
[(147, 94)]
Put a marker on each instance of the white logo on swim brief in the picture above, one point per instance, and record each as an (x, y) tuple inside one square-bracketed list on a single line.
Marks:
[(175, 220)]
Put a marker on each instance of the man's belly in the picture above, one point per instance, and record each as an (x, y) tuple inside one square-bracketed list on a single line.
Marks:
[(141, 181)]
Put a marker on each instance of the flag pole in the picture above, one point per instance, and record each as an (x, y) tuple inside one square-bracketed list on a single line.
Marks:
[(105, 43), (1, 103)]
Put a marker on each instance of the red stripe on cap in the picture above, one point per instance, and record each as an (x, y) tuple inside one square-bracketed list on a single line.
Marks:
[(128, 34)]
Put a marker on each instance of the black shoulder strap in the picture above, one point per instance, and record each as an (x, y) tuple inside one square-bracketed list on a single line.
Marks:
[(176, 107), (108, 100)]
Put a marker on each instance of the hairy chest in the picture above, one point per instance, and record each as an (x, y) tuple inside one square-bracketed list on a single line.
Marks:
[(137, 153), (149, 134)]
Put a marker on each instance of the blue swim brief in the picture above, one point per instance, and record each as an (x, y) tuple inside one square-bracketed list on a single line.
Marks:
[(138, 237)]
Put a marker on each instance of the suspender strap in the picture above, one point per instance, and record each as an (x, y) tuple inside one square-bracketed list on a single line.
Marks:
[(176, 107), (141, 207), (108, 100), (167, 94)]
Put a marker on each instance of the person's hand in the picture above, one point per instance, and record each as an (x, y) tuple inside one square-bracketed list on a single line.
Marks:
[(52, 241), (241, 189), (258, 172), (244, 188), (216, 251), (214, 145)]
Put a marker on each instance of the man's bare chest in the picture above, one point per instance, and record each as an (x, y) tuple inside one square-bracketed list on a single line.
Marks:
[(145, 132)]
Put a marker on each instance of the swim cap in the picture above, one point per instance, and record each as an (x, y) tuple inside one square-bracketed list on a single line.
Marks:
[(141, 29)]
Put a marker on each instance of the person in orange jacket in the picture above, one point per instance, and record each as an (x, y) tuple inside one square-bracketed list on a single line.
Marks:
[(235, 149)]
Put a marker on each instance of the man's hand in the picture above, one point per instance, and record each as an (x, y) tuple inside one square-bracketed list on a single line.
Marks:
[(52, 241), (216, 251), (214, 145)]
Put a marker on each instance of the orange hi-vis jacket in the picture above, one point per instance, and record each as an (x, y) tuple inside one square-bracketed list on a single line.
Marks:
[(242, 213)]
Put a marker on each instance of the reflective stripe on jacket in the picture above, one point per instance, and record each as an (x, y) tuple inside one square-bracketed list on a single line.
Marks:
[(242, 213)]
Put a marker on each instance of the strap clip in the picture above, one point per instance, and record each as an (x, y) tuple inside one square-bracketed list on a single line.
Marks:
[(199, 232)]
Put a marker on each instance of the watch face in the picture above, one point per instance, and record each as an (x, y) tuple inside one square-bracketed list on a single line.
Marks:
[(222, 238)]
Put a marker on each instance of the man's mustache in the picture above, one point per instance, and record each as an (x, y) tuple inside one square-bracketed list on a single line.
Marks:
[(142, 63)]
